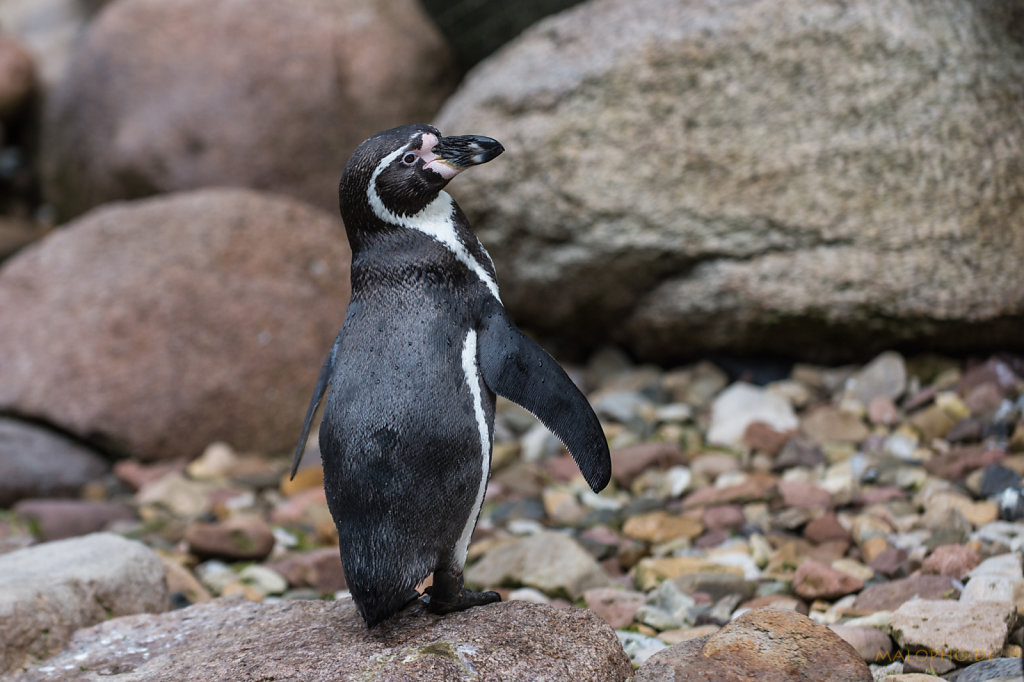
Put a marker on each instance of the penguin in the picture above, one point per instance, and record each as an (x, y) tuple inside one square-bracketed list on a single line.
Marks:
[(411, 378)]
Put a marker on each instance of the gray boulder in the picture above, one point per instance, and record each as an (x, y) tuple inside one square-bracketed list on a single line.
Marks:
[(156, 327), (782, 176), (169, 96), (49, 591), (323, 641)]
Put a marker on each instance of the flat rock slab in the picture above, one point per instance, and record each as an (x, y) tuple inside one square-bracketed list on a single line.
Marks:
[(49, 591), (319, 640)]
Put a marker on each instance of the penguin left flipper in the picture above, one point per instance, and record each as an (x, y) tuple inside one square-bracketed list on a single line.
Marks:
[(322, 382), (515, 367)]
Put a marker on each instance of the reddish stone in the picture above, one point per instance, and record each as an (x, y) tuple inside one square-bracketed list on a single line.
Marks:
[(994, 371), (826, 528), (756, 488), (616, 607), (954, 561), (815, 580), (783, 602), (242, 538), (761, 437), (761, 644), (630, 462), (712, 538), (57, 519), (888, 596), (804, 494), (563, 468), (958, 462), (984, 398), (320, 569), (723, 517), (882, 410), (889, 561), (137, 475)]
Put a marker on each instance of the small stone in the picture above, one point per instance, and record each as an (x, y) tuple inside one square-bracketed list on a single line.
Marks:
[(804, 494), (639, 647), (215, 462), (932, 422), (886, 375), (970, 430), (960, 461), (695, 385), (1002, 564), (711, 465), (888, 596), (753, 489), (686, 634), (996, 478), (758, 645), (954, 561), (742, 404), (628, 463), (984, 399), (815, 580), (872, 644), (882, 410), (992, 670), (783, 602), (723, 517), (798, 451), (548, 561), (652, 570), (827, 424), (889, 561), (215, 575), (963, 631), (264, 580), (182, 497), (716, 585), (562, 506), (60, 519), (319, 569), (873, 547), (660, 527), (242, 538), (953, 405), (761, 437), (137, 475), (616, 607), (826, 528), (181, 581)]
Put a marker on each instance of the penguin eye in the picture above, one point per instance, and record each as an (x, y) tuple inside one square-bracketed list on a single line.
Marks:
[(409, 159)]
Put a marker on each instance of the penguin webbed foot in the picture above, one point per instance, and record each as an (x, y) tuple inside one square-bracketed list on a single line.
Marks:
[(466, 600), (448, 595)]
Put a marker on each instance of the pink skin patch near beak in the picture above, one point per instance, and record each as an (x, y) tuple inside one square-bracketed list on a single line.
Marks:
[(433, 162)]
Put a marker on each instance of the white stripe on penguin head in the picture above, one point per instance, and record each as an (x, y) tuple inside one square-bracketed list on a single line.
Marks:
[(434, 220)]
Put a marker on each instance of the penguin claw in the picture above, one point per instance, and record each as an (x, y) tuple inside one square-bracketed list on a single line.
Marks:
[(466, 600)]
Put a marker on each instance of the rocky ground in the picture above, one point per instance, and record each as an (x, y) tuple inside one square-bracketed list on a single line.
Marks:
[(882, 501)]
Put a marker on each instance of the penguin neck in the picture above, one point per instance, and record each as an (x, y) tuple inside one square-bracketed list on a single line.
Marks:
[(442, 221)]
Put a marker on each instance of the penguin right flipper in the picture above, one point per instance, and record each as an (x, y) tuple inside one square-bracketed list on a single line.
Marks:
[(515, 367), (322, 382)]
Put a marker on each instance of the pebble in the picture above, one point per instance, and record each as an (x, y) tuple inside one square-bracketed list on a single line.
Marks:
[(815, 580), (243, 538), (963, 631), (740, 405), (60, 519)]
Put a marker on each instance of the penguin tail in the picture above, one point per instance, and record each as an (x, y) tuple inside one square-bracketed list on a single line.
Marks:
[(376, 607)]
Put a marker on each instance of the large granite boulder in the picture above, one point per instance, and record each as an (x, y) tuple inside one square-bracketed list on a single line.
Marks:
[(153, 328), (166, 96), (782, 176), (326, 641)]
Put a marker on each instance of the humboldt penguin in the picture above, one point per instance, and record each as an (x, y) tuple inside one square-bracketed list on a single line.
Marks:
[(426, 344)]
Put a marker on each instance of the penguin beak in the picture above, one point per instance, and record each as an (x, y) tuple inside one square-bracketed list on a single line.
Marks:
[(462, 151)]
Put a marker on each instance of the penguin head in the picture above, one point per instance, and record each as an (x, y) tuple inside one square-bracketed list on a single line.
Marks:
[(398, 172)]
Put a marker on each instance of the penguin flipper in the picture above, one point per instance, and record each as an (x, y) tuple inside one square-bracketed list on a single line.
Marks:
[(322, 382), (515, 367)]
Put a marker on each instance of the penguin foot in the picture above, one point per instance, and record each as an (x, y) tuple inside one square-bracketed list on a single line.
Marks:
[(465, 600)]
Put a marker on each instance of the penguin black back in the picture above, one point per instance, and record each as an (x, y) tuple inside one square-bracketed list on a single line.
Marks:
[(425, 346)]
